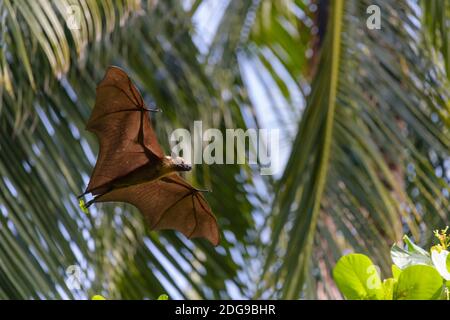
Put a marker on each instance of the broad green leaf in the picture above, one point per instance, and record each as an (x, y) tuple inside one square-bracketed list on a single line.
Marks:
[(98, 297), (389, 288), (163, 297), (441, 260), (413, 248), (396, 271), (419, 283), (404, 258), (357, 278)]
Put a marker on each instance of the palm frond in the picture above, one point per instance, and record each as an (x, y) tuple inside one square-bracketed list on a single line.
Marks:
[(386, 123), (436, 19), (46, 157)]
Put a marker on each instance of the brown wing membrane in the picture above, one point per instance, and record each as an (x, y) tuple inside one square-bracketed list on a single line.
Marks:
[(170, 203), (120, 122)]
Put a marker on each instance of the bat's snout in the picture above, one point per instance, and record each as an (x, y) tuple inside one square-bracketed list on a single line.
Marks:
[(185, 167), (180, 164)]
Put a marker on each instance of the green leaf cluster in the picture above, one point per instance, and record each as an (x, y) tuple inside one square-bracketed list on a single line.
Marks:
[(416, 275)]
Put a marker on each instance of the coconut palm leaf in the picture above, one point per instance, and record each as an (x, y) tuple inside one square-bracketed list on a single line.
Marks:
[(436, 18), (375, 118), (47, 155)]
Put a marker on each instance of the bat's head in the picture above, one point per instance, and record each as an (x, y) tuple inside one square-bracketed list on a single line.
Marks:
[(180, 164)]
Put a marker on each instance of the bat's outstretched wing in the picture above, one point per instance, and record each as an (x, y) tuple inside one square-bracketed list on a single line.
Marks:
[(122, 126), (170, 203)]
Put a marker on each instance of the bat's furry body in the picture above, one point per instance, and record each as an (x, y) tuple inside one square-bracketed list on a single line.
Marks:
[(131, 166), (149, 172)]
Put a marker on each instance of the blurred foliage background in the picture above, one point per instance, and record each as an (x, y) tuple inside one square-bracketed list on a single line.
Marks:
[(364, 118)]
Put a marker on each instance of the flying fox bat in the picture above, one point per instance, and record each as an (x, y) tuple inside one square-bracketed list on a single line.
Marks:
[(131, 166)]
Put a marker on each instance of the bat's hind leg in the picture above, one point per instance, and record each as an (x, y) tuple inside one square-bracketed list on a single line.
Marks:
[(89, 203), (82, 195)]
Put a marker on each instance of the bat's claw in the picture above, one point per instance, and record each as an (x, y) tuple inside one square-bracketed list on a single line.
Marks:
[(203, 190), (83, 206), (153, 110)]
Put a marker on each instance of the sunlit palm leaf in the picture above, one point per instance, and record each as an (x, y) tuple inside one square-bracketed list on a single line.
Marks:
[(385, 124), (49, 159)]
